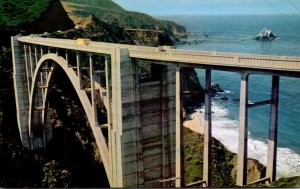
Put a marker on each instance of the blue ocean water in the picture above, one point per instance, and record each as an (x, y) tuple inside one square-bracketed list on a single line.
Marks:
[(236, 34)]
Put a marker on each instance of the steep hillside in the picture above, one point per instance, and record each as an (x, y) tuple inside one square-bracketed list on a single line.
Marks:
[(15, 12), (107, 4), (96, 30), (111, 13), (34, 16)]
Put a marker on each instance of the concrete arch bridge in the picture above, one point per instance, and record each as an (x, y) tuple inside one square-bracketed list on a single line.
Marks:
[(144, 117)]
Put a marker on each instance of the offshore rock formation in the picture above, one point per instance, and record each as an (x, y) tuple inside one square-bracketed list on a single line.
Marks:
[(266, 34)]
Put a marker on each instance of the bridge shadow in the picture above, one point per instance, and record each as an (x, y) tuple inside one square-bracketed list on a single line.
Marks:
[(73, 145)]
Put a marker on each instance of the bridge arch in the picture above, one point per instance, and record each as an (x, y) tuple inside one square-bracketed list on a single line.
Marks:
[(82, 96)]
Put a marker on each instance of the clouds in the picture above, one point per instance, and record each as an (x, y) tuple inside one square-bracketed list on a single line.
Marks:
[(189, 7)]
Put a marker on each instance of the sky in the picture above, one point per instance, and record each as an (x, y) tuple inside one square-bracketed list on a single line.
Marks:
[(211, 7)]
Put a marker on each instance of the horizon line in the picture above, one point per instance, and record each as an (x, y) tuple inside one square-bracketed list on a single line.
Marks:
[(233, 14)]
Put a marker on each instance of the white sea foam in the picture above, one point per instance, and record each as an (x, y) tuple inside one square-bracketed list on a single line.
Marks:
[(225, 92), (226, 131)]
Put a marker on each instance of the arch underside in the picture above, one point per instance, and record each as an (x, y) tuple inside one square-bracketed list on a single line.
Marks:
[(39, 94)]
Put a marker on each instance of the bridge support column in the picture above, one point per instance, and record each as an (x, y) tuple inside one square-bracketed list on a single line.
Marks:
[(28, 77), (93, 95), (241, 179), (31, 62), (207, 131), (179, 149), (35, 57), (109, 113), (272, 141), (126, 170), (21, 92), (78, 68)]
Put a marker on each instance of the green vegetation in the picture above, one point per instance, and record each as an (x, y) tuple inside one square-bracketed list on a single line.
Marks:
[(5, 73), (287, 182), (55, 176), (107, 4), (193, 160), (15, 12)]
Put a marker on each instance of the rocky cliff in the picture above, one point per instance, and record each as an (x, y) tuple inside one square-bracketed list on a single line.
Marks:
[(111, 13)]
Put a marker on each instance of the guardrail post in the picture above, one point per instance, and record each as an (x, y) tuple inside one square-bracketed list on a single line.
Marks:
[(243, 132)]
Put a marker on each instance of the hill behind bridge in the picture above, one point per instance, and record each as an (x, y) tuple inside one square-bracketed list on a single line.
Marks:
[(111, 13)]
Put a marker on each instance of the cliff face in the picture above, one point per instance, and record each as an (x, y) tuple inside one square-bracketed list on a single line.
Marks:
[(149, 37), (111, 13), (190, 82), (96, 30)]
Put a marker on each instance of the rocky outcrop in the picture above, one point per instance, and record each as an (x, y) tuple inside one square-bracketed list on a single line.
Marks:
[(191, 85), (215, 88), (96, 30), (266, 34), (149, 37), (255, 170)]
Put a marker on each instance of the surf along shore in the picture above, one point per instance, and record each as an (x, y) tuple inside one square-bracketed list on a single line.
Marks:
[(224, 161)]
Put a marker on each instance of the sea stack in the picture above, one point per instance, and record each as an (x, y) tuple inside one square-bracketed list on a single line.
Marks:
[(266, 34)]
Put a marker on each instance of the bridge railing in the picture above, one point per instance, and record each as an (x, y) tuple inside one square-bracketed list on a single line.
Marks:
[(169, 54)]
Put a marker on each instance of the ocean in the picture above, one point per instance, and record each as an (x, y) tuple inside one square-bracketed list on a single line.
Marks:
[(236, 33)]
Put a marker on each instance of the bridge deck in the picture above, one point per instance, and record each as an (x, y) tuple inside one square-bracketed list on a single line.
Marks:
[(289, 64)]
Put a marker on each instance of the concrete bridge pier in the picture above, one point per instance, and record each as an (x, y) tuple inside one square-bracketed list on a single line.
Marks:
[(21, 88), (125, 134), (243, 132), (142, 130), (241, 179), (179, 139), (273, 129), (207, 158)]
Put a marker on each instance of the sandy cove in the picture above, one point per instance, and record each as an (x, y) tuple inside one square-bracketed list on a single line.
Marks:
[(195, 122)]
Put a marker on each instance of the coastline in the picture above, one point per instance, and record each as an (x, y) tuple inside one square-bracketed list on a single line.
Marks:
[(194, 122)]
